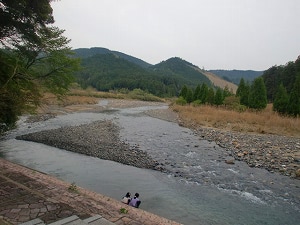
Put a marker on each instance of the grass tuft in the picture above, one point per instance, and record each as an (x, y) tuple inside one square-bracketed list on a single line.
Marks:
[(123, 211), (73, 188)]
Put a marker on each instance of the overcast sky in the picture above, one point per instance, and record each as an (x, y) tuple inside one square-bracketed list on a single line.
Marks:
[(214, 34)]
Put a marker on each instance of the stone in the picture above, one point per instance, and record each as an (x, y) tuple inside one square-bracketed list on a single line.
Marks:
[(240, 154), (230, 160)]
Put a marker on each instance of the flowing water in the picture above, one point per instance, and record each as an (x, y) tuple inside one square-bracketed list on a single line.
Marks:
[(200, 188)]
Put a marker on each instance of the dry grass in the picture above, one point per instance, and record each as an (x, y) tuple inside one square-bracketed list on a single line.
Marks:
[(50, 99), (79, 97), (83, 99), (258, 122), (96, 94)]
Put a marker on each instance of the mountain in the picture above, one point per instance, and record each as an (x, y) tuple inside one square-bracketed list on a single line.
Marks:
[(110, 72), (88, 52), (181, 69), (193, 74), (107, 70), (234, 76)]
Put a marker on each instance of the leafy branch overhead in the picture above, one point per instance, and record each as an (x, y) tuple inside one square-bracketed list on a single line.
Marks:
[(34, 57)]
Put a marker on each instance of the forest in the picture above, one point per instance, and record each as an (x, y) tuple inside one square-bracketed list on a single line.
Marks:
[(283, 87), (109, 71)]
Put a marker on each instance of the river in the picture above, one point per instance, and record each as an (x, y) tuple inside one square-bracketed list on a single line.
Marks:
[(199, 187)]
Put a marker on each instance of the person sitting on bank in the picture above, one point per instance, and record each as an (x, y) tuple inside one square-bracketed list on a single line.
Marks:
[(126, 199), (135, 202)]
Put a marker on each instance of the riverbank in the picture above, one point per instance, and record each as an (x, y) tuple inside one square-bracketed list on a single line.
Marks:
[(275, 153), (27, 194)]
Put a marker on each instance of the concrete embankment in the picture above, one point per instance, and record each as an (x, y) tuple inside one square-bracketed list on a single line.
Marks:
[(26, 194)]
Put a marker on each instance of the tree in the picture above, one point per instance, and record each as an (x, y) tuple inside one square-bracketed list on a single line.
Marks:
[(272, 79), (189, 95), (34, 57), (294, 100), (243, 92), (288, 76), (22, 20), (219, 97), (226, 92), (281, 100), (204, 93), (258, 94), (197, 93), (211, 96), (183, 91)]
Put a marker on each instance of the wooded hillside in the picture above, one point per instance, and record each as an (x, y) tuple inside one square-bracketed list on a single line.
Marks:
[(284, 74), (108, 70)]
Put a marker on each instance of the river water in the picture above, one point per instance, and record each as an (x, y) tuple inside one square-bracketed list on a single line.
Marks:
[(199, 187)]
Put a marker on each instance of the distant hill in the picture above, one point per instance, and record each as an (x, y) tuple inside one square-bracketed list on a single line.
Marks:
[(110, 72), (181, 69), (192, 73), (88, 52), (107, 70), (234, 76)]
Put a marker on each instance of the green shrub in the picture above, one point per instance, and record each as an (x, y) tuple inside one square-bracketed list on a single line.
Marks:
[(239, 107), (123, 211), (196, 103), (143, 95), (181, 101), (73, 188), (123, 91)]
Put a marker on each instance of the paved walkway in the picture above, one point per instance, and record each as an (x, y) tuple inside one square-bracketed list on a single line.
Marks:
[(26, 194)]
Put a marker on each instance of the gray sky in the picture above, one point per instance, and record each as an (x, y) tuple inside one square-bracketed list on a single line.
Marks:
[(214, 34)]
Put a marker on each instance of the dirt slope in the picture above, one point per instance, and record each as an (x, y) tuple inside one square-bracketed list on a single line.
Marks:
[(219, 82)]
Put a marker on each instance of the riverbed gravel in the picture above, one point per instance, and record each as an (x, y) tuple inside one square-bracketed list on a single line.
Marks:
[(280, 154), (99, 139)]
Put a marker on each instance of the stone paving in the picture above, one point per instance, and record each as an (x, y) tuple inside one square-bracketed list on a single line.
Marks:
[(26, 194)]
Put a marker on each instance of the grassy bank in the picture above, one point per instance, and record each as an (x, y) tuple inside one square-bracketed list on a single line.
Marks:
[(265, 121)]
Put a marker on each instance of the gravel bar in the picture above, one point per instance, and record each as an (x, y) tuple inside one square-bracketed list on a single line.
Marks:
[(99, 139)]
